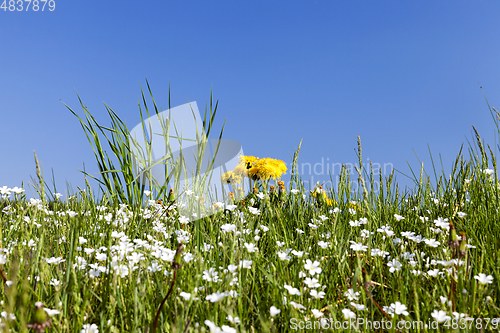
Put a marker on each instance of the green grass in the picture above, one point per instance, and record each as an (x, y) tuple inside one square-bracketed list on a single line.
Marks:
[(117, 258)]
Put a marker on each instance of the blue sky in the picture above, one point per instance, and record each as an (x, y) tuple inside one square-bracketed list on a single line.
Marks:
[(400, 74)]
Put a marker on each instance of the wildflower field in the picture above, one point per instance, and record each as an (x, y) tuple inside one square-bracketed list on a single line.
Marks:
[(283, 258)]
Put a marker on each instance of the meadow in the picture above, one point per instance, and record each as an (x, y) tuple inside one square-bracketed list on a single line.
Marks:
[(284, 258)]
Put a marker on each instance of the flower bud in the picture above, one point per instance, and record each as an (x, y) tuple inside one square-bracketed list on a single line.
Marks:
[(40, 316), (171, 198), (463, 244), (453, 239), (177, 262)]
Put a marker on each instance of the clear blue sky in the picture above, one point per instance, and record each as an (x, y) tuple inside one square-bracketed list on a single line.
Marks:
[(401, 74)]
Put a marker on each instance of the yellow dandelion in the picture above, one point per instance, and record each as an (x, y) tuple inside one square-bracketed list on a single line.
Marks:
[(227, 177), (240, 171), (273, 167), (281, 166), (236, 179), (261, 170), (248, 161), (253, 173)]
